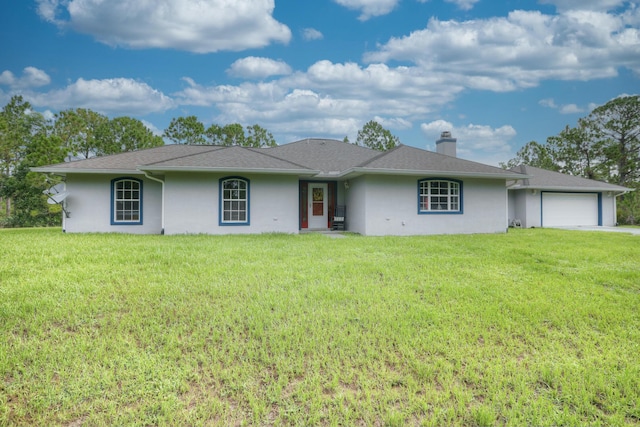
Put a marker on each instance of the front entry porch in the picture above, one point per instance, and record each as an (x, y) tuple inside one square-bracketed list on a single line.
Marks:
[(317, 202)]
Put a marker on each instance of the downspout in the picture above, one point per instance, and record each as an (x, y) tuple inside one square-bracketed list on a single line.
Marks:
[(615, 203), (63, 205), (506, 190), (147, 175)]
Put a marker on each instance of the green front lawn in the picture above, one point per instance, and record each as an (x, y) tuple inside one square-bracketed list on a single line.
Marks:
[(533, 327)]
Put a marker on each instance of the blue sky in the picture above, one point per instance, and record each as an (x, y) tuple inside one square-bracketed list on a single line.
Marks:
[(495, 74)]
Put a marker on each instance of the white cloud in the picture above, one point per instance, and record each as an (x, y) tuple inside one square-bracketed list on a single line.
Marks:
[(255, 68), (312, 34), (493, 143), (520, 50), (48, 114), (463, 4), (31, 78), (191, 25), (393, 123), (7, 78), (437, 64), (548, 102), (153, 128), (119, 96), (344, 93), (48, 9), (563, 109), (570, 109), (602, 5), (369, 8)]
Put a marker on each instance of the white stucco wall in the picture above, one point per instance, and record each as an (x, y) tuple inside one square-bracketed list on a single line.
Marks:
[(355, 197), (89, 204), (192, 204), (609, 218), (391, 206), (376, 205), (525, 207), (512, 206)]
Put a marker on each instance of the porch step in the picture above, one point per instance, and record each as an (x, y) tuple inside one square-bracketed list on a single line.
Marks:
[(327, 231)]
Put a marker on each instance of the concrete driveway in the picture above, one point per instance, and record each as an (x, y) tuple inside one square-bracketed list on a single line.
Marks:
[(630, 230)]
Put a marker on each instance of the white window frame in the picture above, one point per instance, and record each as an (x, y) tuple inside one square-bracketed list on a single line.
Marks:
[(234, 202), (124, 201), (439, 196)]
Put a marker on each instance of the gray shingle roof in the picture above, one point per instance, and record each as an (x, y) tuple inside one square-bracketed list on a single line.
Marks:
[(228, 158), (308, 157), (542, 179), (327, 155), (129, 161), (410, 159)]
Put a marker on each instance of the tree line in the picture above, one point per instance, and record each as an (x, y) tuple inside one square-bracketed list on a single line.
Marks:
[(30, 139), (189, 130), (604, 146)]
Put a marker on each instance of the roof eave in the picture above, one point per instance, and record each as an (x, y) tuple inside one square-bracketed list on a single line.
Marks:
[(82, 170), (353, 172), (571, 189), (297, 172)]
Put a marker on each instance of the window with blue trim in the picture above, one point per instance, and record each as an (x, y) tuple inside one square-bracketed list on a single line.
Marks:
[(439, 196), (234, 201), (126, 201)]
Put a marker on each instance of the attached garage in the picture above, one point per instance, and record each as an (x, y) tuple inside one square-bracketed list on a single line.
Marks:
[(553, 199), (570, 209)]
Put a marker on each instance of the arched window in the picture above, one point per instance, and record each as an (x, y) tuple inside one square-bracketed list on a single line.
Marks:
[(126, 201), (234, 201), (437, 195)]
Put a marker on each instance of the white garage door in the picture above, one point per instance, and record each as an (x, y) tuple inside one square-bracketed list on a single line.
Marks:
[(569, 209)]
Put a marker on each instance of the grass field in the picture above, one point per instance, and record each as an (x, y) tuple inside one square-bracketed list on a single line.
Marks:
[(534, 327)]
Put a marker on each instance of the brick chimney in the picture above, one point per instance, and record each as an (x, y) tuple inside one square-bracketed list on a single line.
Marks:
[(446, 144)]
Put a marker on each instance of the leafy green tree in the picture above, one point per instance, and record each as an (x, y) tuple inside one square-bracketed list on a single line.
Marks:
[(45, 148), (576, 152), (259, 137), (33, 144), (30, 208), (533, 154), (81, 132), (234, 134), (629, 206), (615, 128), (186, 130), (373, 135), (127, 134), (18, 124), (214, 134)]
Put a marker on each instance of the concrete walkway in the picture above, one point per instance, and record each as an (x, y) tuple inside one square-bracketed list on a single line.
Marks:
[(327, 232), (629, 230)]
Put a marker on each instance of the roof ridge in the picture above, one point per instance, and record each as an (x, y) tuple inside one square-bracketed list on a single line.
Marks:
[(258, 150), (213, 148), (377, 156)]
